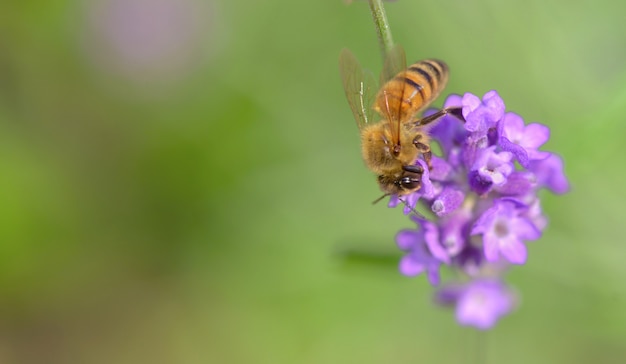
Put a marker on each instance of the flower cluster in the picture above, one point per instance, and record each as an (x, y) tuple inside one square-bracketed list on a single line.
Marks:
[(486, 205)]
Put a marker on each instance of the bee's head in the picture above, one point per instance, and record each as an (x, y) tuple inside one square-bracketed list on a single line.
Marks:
[(408, 180)]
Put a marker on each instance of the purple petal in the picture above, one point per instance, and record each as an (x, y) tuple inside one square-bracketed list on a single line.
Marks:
[(454, 233), (481, 116), (494, 102), (410, 267), (493, 176), (513, 250), (509, 205), (491, 247), (500, 159), (486, 220), (449, 131), (406, 239), (470, 313), (524, 229), (431, 236), (535, 215), (479, 183), (470, 103), (433, 276), (453, 101), (482, 303), (427, 187), (517, 184), (521, 140), (441, 169), (550, 174), (535, 135), (394, 200), (488, 158), (490, 168), (518, 151), (504, 229), (410, 201), (419, 256), (472, 148), (538, 154), (512, 127)]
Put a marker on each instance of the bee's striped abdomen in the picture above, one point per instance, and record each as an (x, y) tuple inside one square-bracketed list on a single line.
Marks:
[(412, 90)]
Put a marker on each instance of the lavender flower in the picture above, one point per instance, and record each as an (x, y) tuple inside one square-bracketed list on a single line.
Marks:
[(486, 207), (504, 230), (480, 303), (419, 257)]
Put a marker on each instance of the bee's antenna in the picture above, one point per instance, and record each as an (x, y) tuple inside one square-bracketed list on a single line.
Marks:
[(413, 210), (380, 198)]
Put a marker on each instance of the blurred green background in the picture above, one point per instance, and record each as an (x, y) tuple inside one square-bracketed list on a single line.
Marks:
[(179, 177)]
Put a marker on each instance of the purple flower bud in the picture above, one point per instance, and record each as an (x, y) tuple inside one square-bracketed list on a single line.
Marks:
[(448, 201)]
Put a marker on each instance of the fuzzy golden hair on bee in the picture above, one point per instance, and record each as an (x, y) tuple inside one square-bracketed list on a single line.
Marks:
[(393, 137)]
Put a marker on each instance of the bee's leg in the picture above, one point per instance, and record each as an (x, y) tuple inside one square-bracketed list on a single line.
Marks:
[(417, 169), (428, 159), (454, 111), (457, 112), (425, 150)]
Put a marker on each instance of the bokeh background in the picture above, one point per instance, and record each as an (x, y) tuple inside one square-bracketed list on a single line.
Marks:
[(180, 180)]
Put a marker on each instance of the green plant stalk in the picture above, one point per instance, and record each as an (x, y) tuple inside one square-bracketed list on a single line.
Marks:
[(382, 26)]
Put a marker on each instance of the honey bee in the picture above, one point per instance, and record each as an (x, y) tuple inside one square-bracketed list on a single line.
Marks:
[(392, 144)]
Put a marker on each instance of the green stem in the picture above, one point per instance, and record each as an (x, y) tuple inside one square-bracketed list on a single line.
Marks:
[(481, 350), (382, 26)]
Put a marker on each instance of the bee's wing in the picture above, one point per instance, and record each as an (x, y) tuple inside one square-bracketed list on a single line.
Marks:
[(395, 62), (359, 86)]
